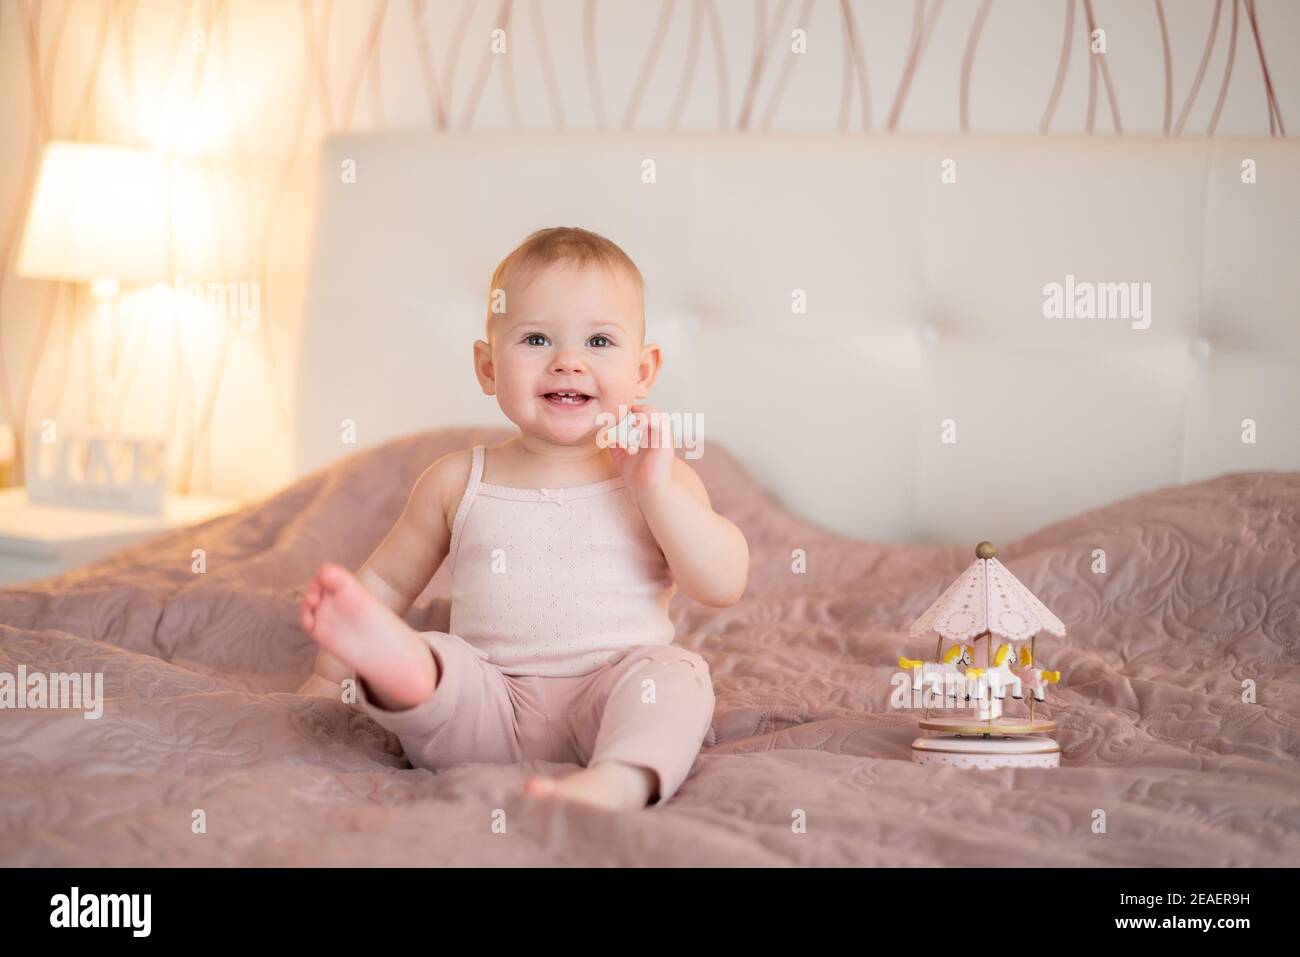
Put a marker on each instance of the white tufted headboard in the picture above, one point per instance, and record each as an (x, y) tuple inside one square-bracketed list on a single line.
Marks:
[(924, 312)]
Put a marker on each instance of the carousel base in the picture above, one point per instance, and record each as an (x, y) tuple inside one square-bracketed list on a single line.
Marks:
[(998, 727), (986, 753)]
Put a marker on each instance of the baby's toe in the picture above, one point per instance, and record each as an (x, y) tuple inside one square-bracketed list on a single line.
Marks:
[(334, 577)]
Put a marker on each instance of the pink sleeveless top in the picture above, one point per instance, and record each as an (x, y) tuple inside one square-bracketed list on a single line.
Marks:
[(558, 581)]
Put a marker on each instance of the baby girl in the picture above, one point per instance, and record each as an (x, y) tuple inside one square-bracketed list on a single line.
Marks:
[(564, 555)]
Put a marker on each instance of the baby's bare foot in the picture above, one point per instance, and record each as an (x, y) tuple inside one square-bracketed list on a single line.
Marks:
[(610, 784), (346, 620)]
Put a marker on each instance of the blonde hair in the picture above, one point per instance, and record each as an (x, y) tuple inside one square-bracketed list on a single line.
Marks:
[(556, 244)]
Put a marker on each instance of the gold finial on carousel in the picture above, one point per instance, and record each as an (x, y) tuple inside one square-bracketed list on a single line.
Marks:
[(985, 550)]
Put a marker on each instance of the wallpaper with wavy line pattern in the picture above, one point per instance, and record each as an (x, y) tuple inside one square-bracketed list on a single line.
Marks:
[(245, 89)]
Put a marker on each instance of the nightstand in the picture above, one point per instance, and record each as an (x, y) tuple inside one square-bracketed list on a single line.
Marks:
[(41, 540)]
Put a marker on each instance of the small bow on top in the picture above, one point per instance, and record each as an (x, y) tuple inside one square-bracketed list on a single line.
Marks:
[(555, 495)]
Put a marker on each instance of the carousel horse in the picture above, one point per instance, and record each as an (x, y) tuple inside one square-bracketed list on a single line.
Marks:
[(1037, 678), (943, 672), (998, 676)]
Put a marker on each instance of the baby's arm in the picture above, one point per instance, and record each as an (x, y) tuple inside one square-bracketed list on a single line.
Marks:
[(400, 568), (708, 554)]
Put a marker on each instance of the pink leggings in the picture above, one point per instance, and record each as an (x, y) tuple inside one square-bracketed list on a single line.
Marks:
[(651, 706)]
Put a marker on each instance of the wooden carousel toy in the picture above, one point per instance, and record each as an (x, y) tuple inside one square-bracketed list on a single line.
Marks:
[(985, 603)]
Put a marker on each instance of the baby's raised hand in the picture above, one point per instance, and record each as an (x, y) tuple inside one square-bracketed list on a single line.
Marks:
[(648, 462)]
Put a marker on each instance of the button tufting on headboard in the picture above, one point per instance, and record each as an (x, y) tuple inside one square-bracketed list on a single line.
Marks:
[(877, 346)]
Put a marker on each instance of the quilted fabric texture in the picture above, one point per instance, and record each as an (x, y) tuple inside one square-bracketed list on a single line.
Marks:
[(807, 763)]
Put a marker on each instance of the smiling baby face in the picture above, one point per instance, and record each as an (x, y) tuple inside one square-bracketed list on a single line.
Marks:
[(569, 345)]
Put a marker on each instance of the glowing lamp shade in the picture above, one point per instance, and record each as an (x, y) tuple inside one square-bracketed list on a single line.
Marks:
[(98, 212)]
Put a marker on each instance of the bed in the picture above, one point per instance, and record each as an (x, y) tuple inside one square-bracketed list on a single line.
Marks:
[(1178, 712), (200, 713)]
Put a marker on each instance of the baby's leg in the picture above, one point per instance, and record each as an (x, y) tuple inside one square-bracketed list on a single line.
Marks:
[(366, 635), (657, 714), (470, 719), (656, 707)]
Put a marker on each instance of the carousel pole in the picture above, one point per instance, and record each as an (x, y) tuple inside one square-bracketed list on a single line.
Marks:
[(985, 551), (938, 646), (988, 666), (1033, 662)]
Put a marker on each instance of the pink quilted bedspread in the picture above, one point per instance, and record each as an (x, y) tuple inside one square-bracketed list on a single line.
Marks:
[(806, 764)]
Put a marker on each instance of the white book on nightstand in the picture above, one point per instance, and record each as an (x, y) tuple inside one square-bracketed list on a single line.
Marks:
[(37, 540)]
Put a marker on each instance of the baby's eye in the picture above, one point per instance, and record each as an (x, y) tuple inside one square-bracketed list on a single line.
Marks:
[(603, 338), (535, 335)]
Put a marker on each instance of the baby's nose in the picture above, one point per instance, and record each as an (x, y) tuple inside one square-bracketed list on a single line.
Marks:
[(568, 363)]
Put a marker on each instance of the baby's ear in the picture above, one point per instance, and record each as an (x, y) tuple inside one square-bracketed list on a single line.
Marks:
[(483, 368), (652, 363)]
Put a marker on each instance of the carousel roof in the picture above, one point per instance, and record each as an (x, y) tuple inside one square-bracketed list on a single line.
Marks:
[(987, 597)]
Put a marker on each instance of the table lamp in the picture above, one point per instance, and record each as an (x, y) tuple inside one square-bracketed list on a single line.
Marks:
[(98, 216)]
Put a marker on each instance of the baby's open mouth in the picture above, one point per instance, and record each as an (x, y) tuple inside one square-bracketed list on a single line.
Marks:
[(570, 399)]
